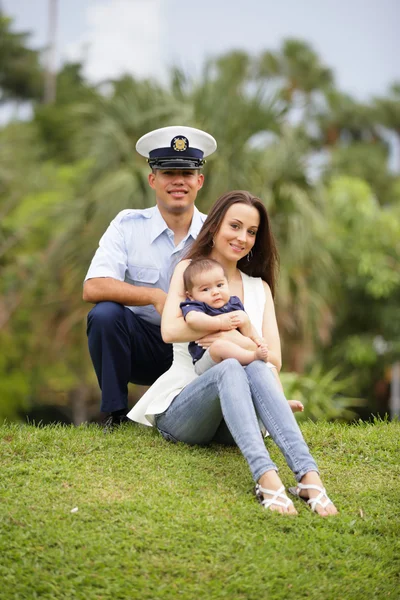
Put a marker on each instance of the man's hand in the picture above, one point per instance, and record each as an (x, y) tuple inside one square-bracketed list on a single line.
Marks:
[(159, 300)]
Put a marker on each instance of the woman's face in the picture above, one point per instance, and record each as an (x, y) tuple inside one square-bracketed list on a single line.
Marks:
[(237, 233)]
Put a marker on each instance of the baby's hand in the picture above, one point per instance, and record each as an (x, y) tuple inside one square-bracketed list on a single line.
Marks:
[(227, 322), (262, 352), (296, 405), (239, 318)]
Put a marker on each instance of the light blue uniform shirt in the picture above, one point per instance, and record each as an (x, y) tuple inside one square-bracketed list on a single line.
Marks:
[(138, 247)]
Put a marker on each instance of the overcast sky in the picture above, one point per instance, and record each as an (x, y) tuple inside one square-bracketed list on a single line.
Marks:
[(359, 39)]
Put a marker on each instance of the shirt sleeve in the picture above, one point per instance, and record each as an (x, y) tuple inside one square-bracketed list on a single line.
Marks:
[(236, 303), (189, 305), (111, 257)]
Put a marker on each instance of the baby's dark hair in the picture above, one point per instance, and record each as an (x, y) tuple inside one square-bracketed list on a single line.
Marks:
[(198, 266)]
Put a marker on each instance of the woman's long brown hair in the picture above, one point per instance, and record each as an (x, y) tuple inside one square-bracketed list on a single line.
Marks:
[(264, 260)]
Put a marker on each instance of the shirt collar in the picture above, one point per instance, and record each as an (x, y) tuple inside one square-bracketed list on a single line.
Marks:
[(158, 225), (196, 224)]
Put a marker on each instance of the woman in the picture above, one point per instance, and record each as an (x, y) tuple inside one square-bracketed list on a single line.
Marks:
[(226, 403)]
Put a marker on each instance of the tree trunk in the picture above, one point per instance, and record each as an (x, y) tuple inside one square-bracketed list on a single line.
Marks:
[(78, 401)]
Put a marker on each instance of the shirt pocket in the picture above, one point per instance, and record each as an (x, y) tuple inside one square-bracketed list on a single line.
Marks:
[(140, 275)]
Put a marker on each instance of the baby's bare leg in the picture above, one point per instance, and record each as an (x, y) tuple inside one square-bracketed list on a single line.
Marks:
[(222, 349), (247, 329)]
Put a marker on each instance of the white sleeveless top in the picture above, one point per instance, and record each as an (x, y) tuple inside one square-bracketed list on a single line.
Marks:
[(160, 395)]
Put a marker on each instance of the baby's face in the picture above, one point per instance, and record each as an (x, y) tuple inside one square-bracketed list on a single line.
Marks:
[(211, 287)]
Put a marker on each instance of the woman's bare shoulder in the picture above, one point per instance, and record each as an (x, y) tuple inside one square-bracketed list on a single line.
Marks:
[(267, 289)]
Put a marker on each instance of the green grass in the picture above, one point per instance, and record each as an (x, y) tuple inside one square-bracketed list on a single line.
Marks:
[(157, 520)]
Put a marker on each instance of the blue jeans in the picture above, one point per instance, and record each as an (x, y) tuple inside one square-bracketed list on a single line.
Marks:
[(229, 396)]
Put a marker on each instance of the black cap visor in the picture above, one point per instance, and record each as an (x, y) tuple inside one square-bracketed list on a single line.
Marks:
[(176, 163)]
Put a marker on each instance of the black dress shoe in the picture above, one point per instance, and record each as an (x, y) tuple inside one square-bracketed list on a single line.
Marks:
[(112, 421)]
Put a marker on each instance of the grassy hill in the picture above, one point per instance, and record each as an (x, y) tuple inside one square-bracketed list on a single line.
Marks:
[(91, 516)]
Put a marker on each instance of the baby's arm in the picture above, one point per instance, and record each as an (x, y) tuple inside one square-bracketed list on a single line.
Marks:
[(242, 322), (199, 320)]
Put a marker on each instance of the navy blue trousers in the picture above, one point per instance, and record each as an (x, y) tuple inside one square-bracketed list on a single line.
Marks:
[(124, 348)]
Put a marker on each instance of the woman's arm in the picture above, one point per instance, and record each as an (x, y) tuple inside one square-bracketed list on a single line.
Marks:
[(173, 326), (270, 329)]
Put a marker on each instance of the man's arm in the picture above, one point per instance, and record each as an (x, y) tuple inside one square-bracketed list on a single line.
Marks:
[(102, 289)]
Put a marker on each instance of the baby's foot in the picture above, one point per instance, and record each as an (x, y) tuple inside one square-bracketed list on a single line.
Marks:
[(296, 405), (262, 353)]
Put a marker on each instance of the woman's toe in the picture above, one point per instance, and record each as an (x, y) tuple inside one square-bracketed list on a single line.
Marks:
[(331, 509)]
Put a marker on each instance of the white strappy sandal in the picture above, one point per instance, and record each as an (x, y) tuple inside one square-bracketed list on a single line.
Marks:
[(278, 497), (312, 502)]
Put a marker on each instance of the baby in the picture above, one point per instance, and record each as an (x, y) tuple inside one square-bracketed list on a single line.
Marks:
[(210, 306)]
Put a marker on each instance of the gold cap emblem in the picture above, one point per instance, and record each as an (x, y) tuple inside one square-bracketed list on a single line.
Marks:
[(180, 143)]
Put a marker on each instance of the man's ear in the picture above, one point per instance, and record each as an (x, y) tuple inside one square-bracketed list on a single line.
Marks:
[(200, 181), (151, 179)]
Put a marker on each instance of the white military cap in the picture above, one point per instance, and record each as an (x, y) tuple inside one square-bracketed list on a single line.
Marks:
[(176, 147)]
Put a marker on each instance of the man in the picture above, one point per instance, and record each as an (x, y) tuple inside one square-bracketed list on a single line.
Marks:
[(129, 276)]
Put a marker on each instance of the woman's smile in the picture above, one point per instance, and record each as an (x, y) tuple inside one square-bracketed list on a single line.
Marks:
[(236, 247)]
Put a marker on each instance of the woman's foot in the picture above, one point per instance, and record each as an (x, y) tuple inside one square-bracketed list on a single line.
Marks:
[(296, 405), (323, 506), (271, 489)]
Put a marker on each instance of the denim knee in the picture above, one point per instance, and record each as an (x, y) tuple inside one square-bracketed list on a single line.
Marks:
[(257, 367), (228, 366)]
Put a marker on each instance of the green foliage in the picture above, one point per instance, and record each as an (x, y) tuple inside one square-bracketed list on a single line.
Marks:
[(65, 175), (60, 124), (14, 382), (323, 393), (298, 66), (366, 236), (21, 76), (127, 515), (387, 110), (367, 162)]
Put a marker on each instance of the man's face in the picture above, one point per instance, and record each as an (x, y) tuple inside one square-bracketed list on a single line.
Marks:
[(176, 190)]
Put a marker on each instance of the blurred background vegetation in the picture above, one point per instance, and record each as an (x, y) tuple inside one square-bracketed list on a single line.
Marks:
[(318, 158)]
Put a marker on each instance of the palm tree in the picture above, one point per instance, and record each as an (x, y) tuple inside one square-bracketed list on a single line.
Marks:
[(388, 113), (299, 73), (343, 120), (20, 70), (308, 277)]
